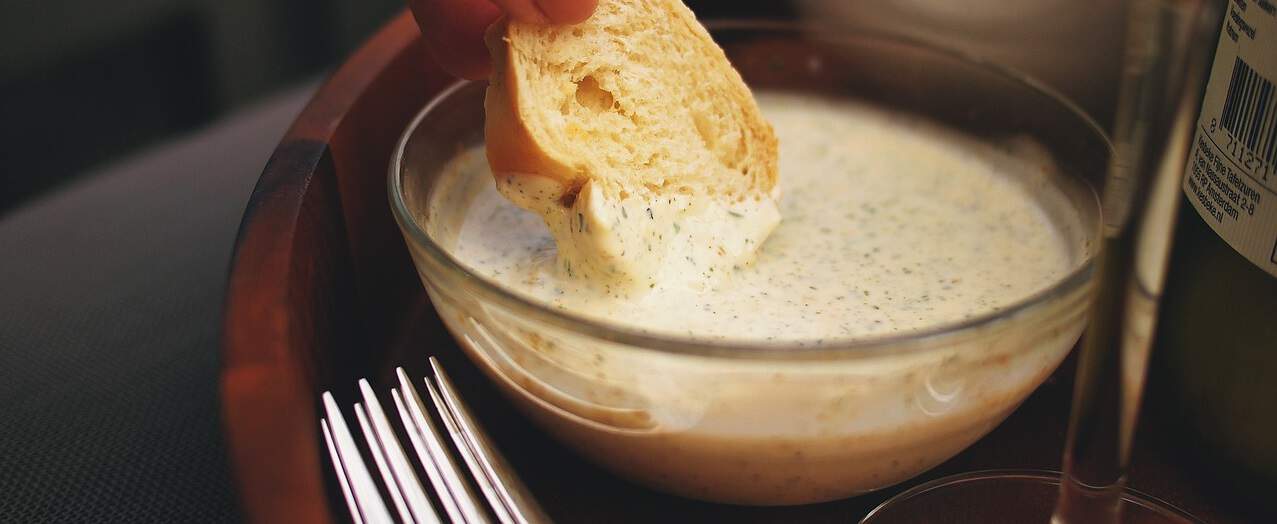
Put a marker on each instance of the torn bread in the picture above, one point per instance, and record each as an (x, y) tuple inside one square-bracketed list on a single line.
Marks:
[(637, 142)]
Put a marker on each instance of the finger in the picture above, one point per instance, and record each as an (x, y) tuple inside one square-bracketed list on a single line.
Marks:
[(548, 11), (453, 30), (523, 11), (567, 11)]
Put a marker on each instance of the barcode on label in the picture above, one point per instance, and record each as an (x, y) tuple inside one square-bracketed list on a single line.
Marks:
[(1248, 111)]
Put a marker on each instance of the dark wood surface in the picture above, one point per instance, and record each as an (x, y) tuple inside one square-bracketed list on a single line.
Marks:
[(318, 273), (321, 292)]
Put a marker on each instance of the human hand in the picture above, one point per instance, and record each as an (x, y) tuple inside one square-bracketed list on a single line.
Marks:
[(453, 29)]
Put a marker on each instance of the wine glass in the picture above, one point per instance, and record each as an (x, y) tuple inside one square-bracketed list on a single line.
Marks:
[(1164, 63)]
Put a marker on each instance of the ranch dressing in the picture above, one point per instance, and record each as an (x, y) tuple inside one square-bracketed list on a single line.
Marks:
[(889, 225)]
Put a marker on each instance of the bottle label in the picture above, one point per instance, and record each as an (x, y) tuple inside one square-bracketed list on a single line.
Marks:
[(1231, 177)]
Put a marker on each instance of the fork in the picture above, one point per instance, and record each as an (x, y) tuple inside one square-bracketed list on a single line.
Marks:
[(451, 497)]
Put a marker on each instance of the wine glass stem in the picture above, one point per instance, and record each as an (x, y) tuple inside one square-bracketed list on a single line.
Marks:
[(1095, 453), (1167, 44)]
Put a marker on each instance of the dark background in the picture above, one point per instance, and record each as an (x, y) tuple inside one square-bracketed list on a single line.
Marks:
[(85, 81)]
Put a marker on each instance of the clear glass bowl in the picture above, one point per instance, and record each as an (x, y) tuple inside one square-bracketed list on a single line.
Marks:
[(773, 423)]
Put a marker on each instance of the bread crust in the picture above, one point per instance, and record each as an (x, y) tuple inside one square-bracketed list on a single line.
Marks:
[(511, 149)]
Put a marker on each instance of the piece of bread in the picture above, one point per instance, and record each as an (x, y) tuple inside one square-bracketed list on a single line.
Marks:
[(636, 141), (638, 99)]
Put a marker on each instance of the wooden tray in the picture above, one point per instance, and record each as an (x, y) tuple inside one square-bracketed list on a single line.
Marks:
[(322, 292)]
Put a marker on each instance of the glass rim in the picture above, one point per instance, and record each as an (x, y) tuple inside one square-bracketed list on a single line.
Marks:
[(1044, 476), (789, 350)]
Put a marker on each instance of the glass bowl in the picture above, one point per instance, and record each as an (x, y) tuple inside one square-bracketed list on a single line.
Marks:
[(767, 423)]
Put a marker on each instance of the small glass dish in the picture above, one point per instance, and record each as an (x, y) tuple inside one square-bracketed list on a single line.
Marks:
[(757, 422), (1005, 496)]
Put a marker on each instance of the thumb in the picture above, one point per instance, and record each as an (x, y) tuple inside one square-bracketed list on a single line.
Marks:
[(548, 11), (453, 31)]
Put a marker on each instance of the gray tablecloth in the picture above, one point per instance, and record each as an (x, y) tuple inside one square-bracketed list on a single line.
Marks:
[(110, 310)]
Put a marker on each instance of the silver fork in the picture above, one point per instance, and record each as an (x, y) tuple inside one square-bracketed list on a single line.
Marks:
[(504, 497)]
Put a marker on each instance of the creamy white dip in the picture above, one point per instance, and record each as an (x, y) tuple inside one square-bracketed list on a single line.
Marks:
[(886, 227)]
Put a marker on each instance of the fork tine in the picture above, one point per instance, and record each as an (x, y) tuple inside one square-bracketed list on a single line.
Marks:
[(467, 455), (459, 500), (433, 473), (407, 488), (368, 506), (379, 458), (341, 472), (507, 494)]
